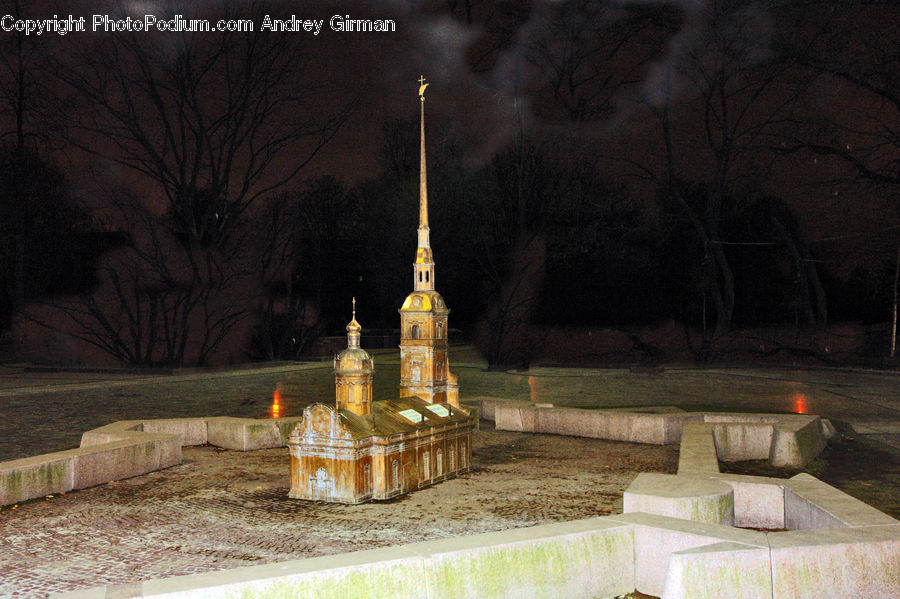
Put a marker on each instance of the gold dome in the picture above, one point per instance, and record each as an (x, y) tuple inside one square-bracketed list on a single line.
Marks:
[(353, 327), (353, 359), (424, 301)]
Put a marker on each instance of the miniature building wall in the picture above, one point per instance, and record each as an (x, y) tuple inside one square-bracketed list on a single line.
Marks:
[(354, 392), (414, 463), (424, 365), (337, 457)]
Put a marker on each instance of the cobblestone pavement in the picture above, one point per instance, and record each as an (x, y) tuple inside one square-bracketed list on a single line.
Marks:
[(224, 509)]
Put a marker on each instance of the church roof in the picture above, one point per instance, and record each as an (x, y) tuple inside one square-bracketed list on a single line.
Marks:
[(401, 415)]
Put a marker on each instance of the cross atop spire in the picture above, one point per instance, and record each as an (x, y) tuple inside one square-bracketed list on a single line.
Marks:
[(353, 329)]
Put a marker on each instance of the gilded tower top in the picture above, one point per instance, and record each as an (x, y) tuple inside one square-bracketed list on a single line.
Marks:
[(354, 358), (353, 372), (353, 329), (423, 184), (423, 269)]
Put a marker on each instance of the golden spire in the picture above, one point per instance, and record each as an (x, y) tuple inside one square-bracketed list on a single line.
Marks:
[(423, 268), (423, 186), (353, 329)]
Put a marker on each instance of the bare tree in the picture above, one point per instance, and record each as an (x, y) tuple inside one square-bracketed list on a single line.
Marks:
[(715, 103), (155, 303), (212, 121), (863, 128), (511, 236), (205, 125), (23, 99), (588, 51), (305, 261), (859, 127)]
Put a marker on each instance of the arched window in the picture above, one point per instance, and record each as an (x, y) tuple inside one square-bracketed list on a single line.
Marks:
[(440, 461), (426, 276), (440, 329), (367, 479), (452, 458), (414, 332), (420, 276), (426, 465)]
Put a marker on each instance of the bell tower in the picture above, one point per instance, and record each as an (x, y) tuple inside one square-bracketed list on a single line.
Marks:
[(424, 364), (353, 373)]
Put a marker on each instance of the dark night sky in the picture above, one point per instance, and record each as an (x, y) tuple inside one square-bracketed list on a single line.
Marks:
[(481, 75), (491, 71)]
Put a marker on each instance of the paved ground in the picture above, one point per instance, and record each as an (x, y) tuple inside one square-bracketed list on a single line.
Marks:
[(224, 509)]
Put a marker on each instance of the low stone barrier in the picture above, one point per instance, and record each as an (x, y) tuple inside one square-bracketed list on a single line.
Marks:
[(658, 539), (615, 425), (36, 476), (130, 448), (758, 501), (581, 559), (835, 545), (843, 548), (810, 504), (697, 454), (687, 498), (859, 562), (790, 440), (63, 471)]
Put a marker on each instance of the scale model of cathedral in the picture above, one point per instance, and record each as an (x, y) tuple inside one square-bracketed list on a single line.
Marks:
[(361, 449)]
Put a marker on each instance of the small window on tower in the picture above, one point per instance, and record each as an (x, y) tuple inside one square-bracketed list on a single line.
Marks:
[(420, 276), (415, 331), (426, 276)]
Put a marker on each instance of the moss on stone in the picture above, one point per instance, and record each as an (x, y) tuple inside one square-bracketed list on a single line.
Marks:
[(37, 481), (544, 568), (399, 580), (716, 510)]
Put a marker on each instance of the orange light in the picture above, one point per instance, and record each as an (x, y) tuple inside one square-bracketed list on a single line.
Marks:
[(532, 384), (799, 403), (276, 404)]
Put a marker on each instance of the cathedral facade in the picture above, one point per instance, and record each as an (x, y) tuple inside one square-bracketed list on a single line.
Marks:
[(363, 449)]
